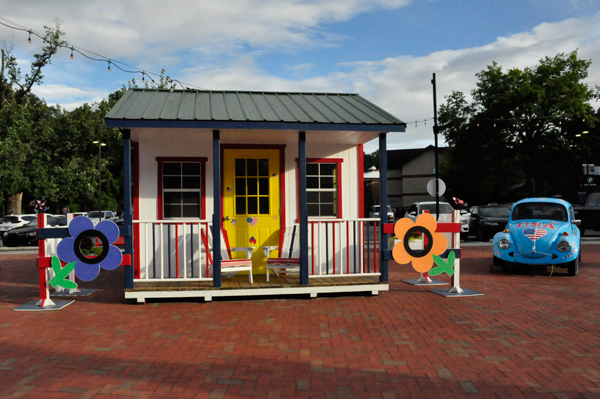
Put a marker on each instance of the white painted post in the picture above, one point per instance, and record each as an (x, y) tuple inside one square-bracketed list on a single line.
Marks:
[(456, 245), (43, 273)]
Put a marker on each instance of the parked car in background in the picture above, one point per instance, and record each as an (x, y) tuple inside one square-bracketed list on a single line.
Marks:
[(9, 222), (418, 208), (97, 216), (27, 235), (487, 220), (375, 209), (589, 213), (540, 231)]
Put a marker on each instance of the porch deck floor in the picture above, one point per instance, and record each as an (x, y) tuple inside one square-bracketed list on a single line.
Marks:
[(239, 286)]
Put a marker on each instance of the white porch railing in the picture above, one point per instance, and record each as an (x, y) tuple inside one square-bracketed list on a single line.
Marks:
[(343, 247), (176, 249)]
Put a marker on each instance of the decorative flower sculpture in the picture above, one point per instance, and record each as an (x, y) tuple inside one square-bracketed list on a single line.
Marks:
[(88, 268), (422, 260)]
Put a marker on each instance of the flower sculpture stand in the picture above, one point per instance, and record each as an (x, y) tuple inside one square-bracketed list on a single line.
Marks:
[(60, 270), (435, 251)]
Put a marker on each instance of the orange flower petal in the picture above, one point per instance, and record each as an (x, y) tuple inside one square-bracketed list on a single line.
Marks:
[(400, 255), (440, 244), (427, 220), (402, 226), (423, 264)]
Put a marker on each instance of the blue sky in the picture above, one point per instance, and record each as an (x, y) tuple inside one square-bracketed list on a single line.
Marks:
[(386, 50)]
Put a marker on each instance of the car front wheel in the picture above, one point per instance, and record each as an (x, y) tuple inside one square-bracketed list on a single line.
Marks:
[(573, 267)]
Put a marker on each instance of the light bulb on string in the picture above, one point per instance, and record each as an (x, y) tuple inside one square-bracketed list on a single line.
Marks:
[(71, 53), (29, 40), (143, 76), (108, 66)]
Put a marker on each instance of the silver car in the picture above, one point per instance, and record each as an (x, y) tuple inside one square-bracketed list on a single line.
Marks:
[(418, 208)]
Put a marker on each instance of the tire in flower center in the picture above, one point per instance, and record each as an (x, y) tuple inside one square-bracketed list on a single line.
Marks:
[(91, 233), (427, 247)]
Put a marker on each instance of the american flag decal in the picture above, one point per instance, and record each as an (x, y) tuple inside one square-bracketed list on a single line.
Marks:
[(534, 234)]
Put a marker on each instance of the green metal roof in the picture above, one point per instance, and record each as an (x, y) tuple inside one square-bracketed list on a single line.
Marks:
[(249, 110)]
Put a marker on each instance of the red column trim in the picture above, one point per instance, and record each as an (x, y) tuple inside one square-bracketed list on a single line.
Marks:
[(361, 181)]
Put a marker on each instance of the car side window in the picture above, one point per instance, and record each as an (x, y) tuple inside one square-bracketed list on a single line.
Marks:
[(412, 208)]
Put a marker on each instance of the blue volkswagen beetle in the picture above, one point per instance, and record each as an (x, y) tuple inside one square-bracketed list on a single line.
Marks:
[(540, 231)]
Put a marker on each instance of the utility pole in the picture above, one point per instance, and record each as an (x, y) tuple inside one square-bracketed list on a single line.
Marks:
[(436, 130)]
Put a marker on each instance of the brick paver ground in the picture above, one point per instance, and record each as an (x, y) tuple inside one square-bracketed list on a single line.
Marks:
[(529, 336)]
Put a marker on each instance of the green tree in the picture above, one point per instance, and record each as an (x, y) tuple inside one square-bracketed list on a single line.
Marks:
[(516, 137), (24, 118)]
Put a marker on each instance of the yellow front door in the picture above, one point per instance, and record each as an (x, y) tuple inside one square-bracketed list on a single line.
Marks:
[(251, 200)]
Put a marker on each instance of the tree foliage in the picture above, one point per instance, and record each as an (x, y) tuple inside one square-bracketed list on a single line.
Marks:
[(46, 151), (516, 137)]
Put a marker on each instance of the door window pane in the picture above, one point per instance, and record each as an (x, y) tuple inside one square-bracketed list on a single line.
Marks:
[(252, 205), (240, 205), (263, 167), (264, 205), (252, 169)]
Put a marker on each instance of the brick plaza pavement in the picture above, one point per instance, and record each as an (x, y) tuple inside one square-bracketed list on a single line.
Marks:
[(529, 336)]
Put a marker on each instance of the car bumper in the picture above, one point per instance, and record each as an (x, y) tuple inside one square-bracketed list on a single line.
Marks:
[(537, 258), (17, 241)]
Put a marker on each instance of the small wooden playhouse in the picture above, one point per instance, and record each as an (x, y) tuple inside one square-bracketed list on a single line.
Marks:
[(262, 166)]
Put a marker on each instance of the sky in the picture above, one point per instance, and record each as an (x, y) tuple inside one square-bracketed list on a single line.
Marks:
[(385, 50)]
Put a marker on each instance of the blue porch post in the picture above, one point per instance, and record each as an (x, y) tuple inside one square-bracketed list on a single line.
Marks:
[(303, 209), (128, 206), (383, 263), (217, 209)]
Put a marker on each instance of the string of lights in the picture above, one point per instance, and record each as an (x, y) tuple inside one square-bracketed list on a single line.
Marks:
[(558, 120), (124, 67)]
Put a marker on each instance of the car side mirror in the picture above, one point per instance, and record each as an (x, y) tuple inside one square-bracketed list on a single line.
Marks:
[(463, 212), (576, 222), (413, 213)]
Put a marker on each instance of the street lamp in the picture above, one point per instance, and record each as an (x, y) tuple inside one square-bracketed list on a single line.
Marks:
[(100, 145)]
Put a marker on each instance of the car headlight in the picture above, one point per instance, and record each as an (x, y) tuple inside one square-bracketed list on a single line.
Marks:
[(490, 223), (563, 246), (5, 234), (32, 234), (504, 243)]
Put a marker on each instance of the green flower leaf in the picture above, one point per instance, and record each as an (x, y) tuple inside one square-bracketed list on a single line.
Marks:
[(61, 274), (443, 266)]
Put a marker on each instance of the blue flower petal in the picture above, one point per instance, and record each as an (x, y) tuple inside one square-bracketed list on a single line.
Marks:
[(66, 251), (110, 230), (86, 272), (79, 224), (113, 259)]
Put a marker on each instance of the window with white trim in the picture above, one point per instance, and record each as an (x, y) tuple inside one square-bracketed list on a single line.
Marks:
[(322, 189), (181, 189)]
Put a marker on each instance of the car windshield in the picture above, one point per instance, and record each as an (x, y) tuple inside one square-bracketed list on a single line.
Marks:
[(540, 210), (95, 214), (32, 223), (495, 212), (444, 208)]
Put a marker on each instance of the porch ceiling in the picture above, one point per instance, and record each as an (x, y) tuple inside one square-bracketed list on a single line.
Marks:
[(266, 111)]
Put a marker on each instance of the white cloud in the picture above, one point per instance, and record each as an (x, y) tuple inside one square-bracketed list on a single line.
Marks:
[(140, 29), (69, 97), (402, 85)]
